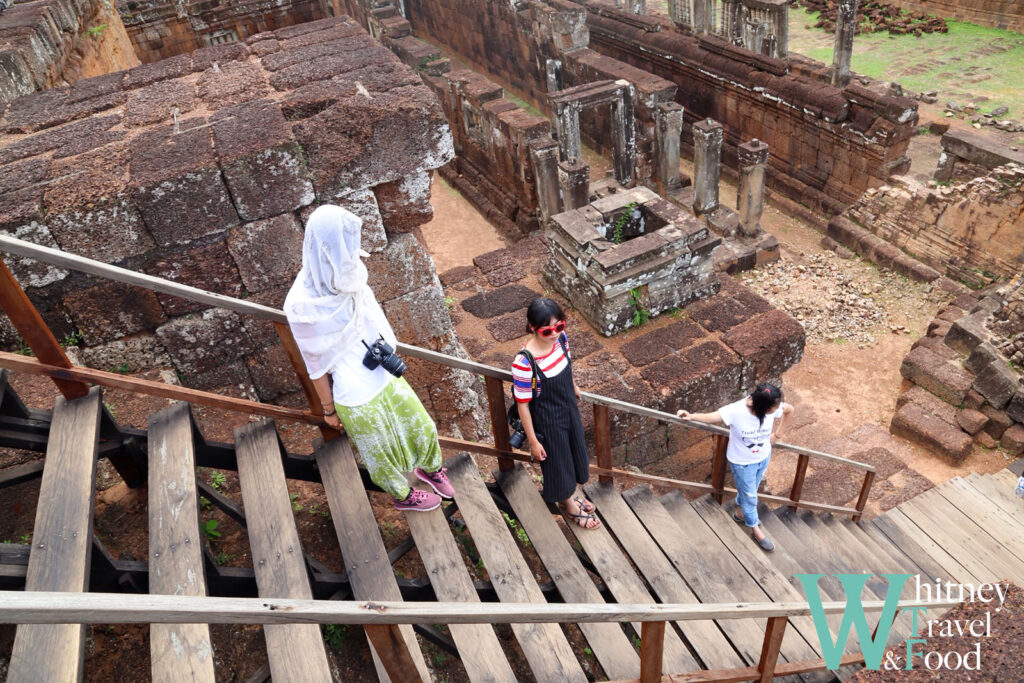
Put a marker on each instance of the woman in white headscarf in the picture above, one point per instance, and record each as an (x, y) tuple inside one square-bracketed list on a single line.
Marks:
[(335, 318)]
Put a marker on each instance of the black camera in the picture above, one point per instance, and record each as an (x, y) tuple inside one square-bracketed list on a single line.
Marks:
[(381, 353), (518, 436)]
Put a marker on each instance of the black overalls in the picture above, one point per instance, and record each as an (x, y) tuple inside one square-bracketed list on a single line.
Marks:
[(556, 420)]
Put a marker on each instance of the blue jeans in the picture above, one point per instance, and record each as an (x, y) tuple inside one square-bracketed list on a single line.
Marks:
[(748, 478)]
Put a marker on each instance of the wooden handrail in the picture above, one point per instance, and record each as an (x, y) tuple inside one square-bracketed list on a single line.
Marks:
[(80, 263), (40, 607)]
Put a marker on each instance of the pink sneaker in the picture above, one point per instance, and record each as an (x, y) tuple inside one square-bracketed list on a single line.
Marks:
[(438, 481), (418, 500)]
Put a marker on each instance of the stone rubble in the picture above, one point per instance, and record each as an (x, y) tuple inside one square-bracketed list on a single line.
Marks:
[(835, 299)]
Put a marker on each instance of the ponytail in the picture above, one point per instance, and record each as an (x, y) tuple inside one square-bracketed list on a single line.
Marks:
[(765, 397)]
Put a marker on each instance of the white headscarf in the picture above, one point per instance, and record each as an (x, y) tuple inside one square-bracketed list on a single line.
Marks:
[(330, 302)]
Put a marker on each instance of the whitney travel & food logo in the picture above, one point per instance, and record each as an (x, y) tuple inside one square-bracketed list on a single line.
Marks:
[(873, 641)]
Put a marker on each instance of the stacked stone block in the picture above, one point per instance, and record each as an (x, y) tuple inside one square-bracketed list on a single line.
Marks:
[(966, 390), (160, 29), (969, 231), (202, 169), (44, 43)]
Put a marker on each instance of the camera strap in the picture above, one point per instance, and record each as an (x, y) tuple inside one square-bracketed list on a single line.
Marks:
[(513, 410)]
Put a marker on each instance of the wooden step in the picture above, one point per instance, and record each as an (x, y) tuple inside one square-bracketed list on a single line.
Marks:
[(995, 533), (857, 545), (296, 651), (608, 641), (999, 490), (478, 645), (706, 639), (712, 568), (997, 523), (179, 652), (366, 558), (61, 541), (545, 645), (708, 571), (792, 557), (757, 565), (627, 587), (954, 536), (903, 532), (928, 567)]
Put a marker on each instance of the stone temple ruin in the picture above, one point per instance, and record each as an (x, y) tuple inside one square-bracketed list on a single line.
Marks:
[(190, 141)]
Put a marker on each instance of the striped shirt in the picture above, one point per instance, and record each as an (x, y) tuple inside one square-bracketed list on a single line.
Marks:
[(551, 363)]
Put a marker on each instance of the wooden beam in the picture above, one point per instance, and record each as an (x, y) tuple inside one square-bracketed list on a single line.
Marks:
[(499, 420), (798, 479), (33, 330), (652, 647), (718, 467), (291, 349), (603, 440), (42, 607), (865, 491), (773, 634), (114, 380)]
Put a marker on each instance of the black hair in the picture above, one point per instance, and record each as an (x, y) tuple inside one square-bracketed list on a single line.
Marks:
[(541, 311), (764, 398)]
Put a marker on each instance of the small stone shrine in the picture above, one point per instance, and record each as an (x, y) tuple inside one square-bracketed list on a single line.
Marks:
[(630, 255)]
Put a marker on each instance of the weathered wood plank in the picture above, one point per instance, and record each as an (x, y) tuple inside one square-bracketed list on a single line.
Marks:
[(756, 565), (61, 541), (34, 607), (973, 534), (710, 644), (179, 652), (998, 524), (955, 532), (999, 490), (296, 652), (904, 533), (626, 586), (609, 643), (478, 645), (362, 548), (714, 571), (550, 656), (793, 556), (702, 562)]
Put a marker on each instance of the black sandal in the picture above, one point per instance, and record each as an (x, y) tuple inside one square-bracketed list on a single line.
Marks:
[(583, 519), (585, 505)]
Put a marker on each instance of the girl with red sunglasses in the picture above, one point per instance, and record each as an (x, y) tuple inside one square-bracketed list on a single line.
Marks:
[(546, 396)]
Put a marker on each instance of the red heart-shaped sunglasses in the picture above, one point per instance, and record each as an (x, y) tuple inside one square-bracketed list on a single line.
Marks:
[(549, 330)]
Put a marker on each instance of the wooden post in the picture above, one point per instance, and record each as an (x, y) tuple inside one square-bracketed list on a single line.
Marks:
[(499, 420), (34, 331), (798, 479), (394, 654), (869, 478), (718, 467), (770, 650), (603, 440), (291, 349), (652, 645)]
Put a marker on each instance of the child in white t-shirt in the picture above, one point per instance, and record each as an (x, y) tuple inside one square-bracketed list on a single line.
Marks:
[(754, 423)]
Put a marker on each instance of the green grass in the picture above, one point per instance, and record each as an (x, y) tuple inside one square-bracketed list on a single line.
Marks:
[(945, 62)]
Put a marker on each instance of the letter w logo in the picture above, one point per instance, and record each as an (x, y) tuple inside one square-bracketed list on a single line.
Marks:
[(853, 585)]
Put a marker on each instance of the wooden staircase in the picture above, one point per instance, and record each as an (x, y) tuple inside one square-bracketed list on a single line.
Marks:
[(649, 549)]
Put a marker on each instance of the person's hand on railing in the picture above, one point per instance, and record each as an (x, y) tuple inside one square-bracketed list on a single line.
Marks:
[(333, 421), (685, 414)]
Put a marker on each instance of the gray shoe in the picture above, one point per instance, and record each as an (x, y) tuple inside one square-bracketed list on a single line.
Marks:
[(766, 544)]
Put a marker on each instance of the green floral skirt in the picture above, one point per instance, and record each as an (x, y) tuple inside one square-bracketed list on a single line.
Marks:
[(394, 434)]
